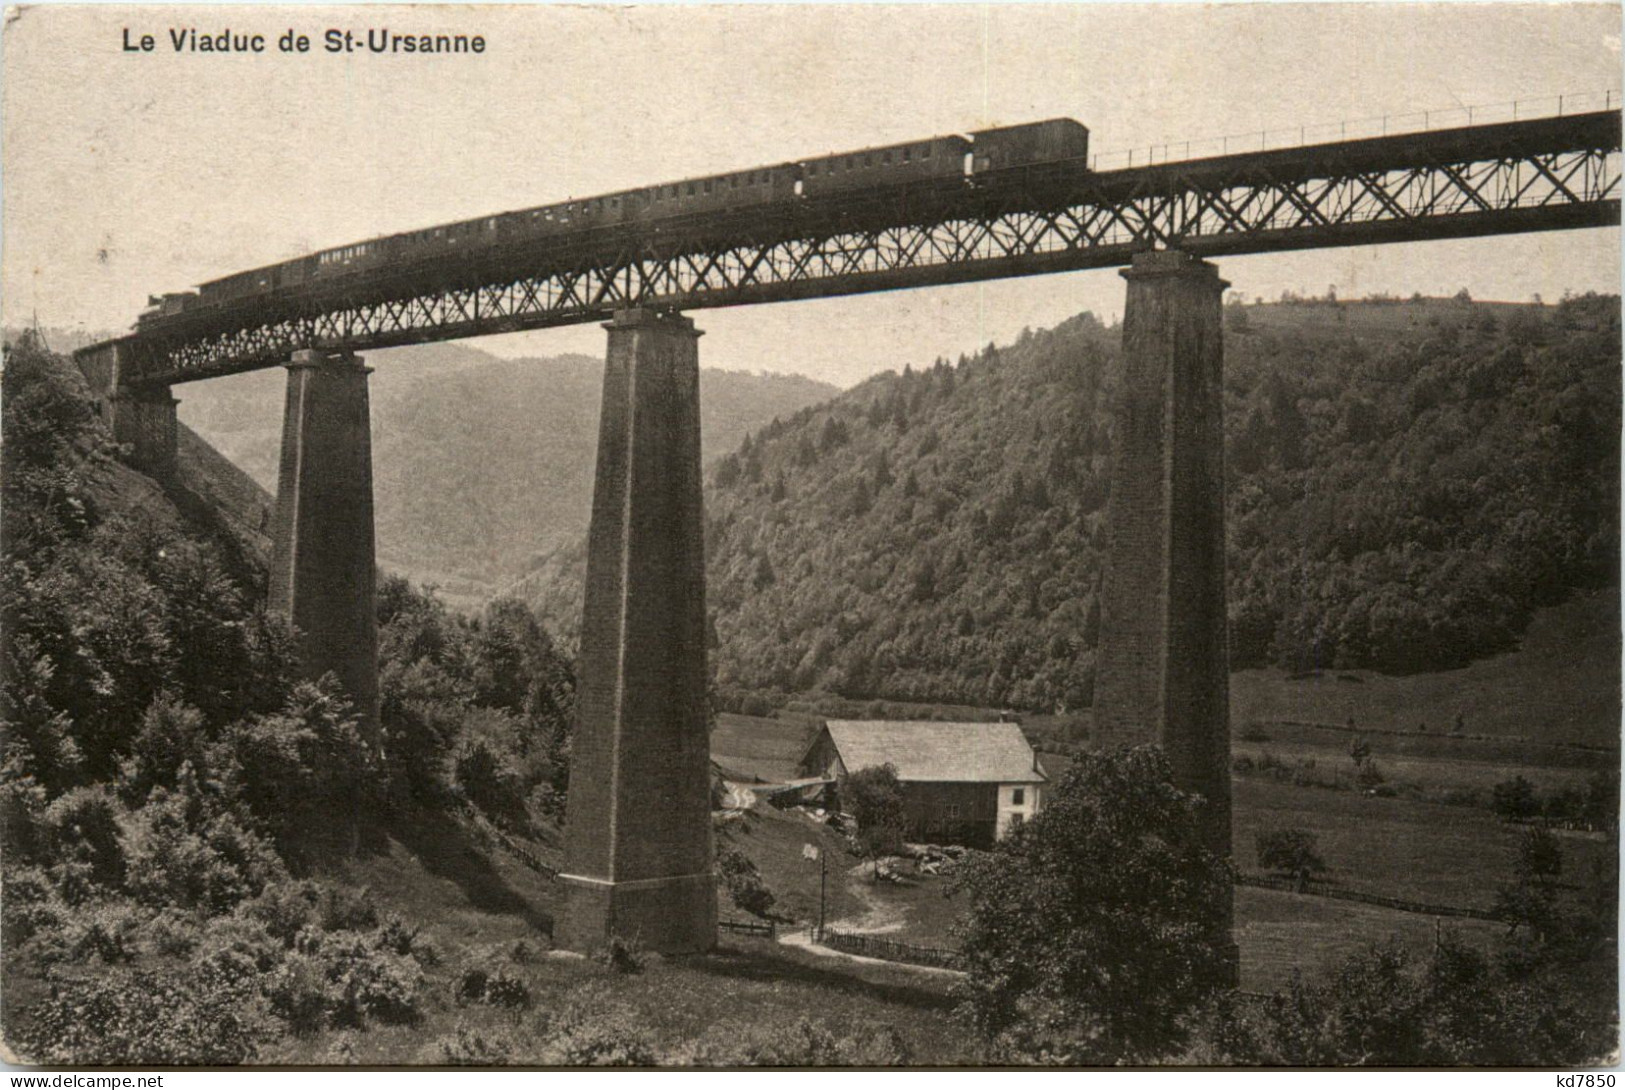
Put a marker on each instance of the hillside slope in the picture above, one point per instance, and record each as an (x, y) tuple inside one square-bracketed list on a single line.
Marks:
[(1408, 482), (479, 463)]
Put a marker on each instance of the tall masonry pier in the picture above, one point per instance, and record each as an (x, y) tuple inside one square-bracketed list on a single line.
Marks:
[(637, 854), (323, 574), (1163, 671)]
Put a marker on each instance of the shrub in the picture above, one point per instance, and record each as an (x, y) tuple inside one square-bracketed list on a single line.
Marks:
[(346, 909), (366, 982), (470, 986), (623, 956), (124, 1018), (171, 933), (29, 906), (1515, 799), (298, 993), (1093, 930), (305, 772), (507, 991), (608, 1038), (396, 937), (744, 882), (237, 946), (183, 851), (82, 827), (804, 1043), (105, 930), (468, 1046), (1291, 852), (285, 908), (1380, 1007), (1370, 777)]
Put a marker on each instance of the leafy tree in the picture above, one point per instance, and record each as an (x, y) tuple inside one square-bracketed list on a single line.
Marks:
[(744, 882), (1292, 852), (1382, 1007), (1530, 901), (1514, 799), (874, 798), (1093, 931)]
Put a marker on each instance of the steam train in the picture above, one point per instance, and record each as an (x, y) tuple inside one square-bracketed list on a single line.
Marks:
[(977, 158)]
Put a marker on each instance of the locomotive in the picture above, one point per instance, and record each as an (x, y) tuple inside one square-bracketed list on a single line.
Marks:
[(976, 158)]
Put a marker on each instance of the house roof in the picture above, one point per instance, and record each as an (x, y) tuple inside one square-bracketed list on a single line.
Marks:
[(922, 750)]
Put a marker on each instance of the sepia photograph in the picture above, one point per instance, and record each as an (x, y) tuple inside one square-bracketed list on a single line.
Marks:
[(880, 536)]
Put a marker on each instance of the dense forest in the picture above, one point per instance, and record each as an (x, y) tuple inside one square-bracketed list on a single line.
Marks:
[(173, 795), (1408, 481)]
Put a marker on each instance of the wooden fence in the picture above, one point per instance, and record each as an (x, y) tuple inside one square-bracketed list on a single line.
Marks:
[(872, 946), (749, 927), (1265, 881)]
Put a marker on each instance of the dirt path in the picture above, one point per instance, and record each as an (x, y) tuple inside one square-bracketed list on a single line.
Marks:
[(878, 917), (801, 939)]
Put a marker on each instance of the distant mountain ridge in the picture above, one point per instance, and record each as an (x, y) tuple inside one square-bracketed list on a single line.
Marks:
[(480, 464), (1408, 482)]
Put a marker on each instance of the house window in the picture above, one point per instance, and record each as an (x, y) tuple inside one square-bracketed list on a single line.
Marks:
[(1016, 820), (1018, 796), (952, 811)]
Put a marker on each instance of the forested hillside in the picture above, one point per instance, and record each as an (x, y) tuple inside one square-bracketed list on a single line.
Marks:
[(1408, 481), (175, 801), (479, 463)]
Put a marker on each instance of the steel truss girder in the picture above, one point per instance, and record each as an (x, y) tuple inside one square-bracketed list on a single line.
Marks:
[(1020, 230)]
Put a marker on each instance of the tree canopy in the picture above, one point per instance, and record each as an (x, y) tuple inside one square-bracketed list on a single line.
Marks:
[(1094, 929)]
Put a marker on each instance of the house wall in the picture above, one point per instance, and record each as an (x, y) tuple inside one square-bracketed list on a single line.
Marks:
[(951, 813), (821, 759), (1009, 810)]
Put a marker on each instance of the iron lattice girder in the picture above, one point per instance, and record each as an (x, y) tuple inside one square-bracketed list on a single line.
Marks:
[(1528, 176)]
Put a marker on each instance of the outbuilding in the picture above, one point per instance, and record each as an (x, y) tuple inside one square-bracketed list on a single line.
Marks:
[(963, 783)]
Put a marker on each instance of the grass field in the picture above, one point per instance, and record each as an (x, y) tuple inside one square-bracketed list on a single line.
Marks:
[(1561, 685), (1279, 932)]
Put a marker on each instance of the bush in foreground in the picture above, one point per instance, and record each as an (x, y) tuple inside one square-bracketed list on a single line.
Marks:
[(1091, 931)]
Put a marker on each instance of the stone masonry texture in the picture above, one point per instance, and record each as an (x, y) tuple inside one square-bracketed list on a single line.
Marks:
[(323, 573), (638, 851), (1163, 673)]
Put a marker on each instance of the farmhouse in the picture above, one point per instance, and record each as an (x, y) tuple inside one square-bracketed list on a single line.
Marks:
[(963, 783)]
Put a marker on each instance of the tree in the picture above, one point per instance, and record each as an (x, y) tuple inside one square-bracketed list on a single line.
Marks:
[(1094, 930), (1514, 799), (1291, 852), (874, 798)]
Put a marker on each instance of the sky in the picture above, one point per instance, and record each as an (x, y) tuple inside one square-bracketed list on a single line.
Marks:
[(129, 173)]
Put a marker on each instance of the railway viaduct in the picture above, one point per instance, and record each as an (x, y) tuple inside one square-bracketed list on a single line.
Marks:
[(638, 840)]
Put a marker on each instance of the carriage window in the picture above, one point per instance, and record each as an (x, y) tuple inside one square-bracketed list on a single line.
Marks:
[(885, 157), (905, 154), (690, 189), (708, 185), (849, 162)]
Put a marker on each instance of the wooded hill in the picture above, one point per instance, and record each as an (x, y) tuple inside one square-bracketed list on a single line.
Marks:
[(1407, 482), (480, 463)]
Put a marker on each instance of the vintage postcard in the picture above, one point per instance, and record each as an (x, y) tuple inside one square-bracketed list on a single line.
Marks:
[(817, 535)]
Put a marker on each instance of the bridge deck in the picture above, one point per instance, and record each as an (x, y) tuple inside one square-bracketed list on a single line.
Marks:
[(1542, 174)]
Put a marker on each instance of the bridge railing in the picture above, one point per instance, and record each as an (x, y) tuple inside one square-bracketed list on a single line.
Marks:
[(1450, 117)]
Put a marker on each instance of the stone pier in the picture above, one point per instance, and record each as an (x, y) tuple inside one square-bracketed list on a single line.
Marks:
[(638, 853), (143, 418), (323, 574), (1163, 667)]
